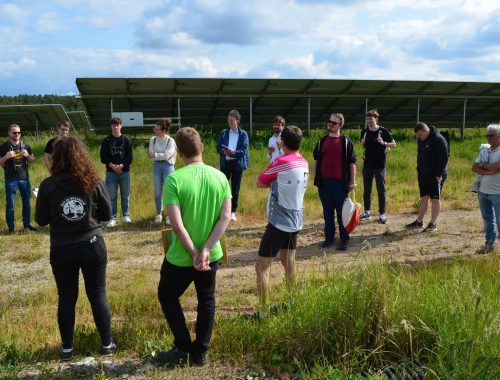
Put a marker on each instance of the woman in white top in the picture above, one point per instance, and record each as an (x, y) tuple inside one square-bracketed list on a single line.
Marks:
[(163, 151)]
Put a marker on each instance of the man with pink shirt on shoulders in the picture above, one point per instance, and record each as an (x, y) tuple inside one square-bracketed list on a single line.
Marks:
[(287, 178)]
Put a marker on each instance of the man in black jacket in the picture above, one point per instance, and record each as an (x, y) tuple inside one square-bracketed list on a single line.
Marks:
[(432, 159), (334, 175), (116, 154)]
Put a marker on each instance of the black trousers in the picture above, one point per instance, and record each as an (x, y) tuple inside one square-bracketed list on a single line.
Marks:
[(174, 281), (234, 177), (66, 261), (379, 175)]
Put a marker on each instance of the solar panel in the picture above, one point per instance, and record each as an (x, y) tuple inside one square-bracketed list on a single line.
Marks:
[(208, 100)]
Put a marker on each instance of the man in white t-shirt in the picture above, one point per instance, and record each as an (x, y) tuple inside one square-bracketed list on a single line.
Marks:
[(275, 146), (487, 165)]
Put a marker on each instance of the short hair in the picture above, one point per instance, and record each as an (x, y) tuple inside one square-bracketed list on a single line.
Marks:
[(493, 128), (279, 120), (64, 123), (116, 120), (14, 126), (372, 113), (340, 116), (421, 127), (235, 114), (188, 142), (164, 124), (291, 137)]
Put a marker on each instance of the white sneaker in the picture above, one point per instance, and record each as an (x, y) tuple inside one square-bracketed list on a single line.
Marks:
[(382, 219), (111, 223), (167, 220), (126, 219), (158, 218), (233, 216), (365, 215)]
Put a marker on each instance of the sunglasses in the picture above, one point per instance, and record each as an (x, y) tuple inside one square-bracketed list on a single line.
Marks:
[(491, 135), (329, 122), (16, 133)]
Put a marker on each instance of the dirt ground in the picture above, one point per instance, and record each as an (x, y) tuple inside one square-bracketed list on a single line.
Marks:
[(459, 233)]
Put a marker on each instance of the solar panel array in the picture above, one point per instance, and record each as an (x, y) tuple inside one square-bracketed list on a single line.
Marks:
[(207, 101)]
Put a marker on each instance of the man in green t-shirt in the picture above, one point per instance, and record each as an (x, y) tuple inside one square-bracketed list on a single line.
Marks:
[(198, 199)]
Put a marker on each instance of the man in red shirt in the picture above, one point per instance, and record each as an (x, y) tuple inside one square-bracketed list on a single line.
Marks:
[(335, 175)]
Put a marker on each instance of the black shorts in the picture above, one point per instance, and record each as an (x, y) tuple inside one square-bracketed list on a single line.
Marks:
[(274, 239), (429, 186)]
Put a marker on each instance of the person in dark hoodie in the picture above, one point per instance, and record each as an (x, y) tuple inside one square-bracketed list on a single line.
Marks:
[(116, 154), (74, 201), (432, 160)]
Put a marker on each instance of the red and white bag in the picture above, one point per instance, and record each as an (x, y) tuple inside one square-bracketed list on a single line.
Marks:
[(350, 213)]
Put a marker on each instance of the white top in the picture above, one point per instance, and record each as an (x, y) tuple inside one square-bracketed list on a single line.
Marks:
[(233, 142), (490, 184), (164, 148), (272, 144)]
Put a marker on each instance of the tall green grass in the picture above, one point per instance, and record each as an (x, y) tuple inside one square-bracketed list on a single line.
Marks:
[(444, 317)]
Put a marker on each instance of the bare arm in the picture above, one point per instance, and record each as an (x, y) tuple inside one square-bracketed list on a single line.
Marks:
[(352, 171), (486, 168), (174, 213), (46, 159)]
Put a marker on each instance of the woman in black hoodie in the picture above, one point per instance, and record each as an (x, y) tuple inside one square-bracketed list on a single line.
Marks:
[(74, 201)]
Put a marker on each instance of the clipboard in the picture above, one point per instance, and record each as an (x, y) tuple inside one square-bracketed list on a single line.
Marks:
[(167, 235)]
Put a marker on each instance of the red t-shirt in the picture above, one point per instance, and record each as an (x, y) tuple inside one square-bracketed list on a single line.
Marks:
[(331, 163)]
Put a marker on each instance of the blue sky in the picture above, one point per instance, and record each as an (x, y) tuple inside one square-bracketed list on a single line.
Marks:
[(46, 45)]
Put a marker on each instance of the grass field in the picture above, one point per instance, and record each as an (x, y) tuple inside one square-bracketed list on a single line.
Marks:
[(443, 317)]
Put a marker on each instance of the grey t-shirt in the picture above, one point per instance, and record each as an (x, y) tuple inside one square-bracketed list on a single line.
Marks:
[(490, 184)]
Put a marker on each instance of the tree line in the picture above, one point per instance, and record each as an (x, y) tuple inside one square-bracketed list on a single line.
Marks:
[(69, 102)]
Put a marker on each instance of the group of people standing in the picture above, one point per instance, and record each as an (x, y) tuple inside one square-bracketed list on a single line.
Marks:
[(201, 201)]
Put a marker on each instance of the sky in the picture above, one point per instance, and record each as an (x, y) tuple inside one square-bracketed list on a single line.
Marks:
[(45, 45)]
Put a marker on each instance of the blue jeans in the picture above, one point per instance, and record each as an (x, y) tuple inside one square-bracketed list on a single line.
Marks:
[(332, 195), (489, 204), (113, 180), (11, 187), (379, 175), (161, 169)]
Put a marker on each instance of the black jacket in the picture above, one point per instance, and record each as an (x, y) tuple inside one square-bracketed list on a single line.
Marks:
[(73, 215), (432, 157), (348, 155), (117, 150)]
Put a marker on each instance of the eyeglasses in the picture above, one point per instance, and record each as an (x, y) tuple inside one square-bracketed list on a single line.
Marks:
[(491, 135), (16, 133), (329, 122)]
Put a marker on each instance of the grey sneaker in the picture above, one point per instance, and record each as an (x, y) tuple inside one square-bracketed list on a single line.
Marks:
[(109, 350), (382, 219), (414, 224), (66, 354), (485, 249), (365, 215), (430, 227)]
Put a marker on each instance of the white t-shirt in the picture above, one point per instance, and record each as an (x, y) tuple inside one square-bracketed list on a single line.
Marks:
[(490, 184), (273, 144)]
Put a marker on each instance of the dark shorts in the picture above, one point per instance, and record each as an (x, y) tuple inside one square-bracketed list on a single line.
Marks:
[(274, 239), (429, 186)]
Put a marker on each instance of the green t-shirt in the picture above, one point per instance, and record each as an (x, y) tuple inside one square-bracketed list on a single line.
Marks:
[(199, 189)]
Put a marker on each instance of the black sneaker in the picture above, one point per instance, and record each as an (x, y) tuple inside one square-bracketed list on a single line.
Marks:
[(109, 350), (174, 356), (414, 224), (343, 245), (199, 359), (485, 249), (326, 244), (29, 227), (12, 230), (66, 354), (430, 227)]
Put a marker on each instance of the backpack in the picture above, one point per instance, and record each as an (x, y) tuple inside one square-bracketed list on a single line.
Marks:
[(446, 135)]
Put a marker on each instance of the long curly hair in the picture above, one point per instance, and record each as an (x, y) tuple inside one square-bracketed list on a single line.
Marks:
[(71, 156)]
